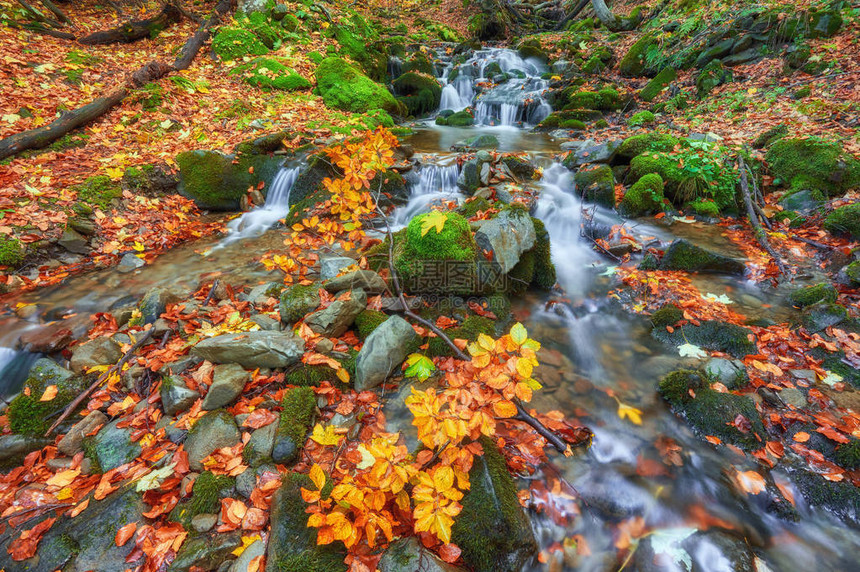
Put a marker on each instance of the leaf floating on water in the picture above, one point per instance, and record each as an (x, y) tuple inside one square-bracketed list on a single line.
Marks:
[(722, 298), (629, 412), (693, 351), (684, 219), (668, 542), (750, 481)]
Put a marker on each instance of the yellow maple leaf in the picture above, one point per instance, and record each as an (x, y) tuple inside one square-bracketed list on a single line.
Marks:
[(433, 219), (325, 436), (629, 412)]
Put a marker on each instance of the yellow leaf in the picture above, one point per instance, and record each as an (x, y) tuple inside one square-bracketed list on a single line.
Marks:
[(519, 334), (434, 219), (317, 476), (50, 393), (246, 542), (342, 375), (626, 411), (63, 478), (64, 493), (504, 409), (325, 436)]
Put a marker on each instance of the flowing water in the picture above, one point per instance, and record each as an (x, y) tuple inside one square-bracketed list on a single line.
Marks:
[(591, 347), (257, 221)]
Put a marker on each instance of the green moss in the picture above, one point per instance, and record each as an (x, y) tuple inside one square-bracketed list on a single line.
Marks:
[(531, 48), (644, 197), (770, 135), (842, 498), (218, 182), (704, 207), (597, 184), (360, 48), (206, 494), (473, 206), (654, 87), (815, 164), (852, 271), (367, 321), (29, 416), (711, 76), (418, 63), (652, 141), (344, 87), (641, 118), (420, 93), (606, 99), (633, 63), (668, 315), (266, 31), (572, 124), (492, 530), (675, 387), (500, 306), (98, 191), (712, 413), (310, 375), (845, 220), (298, 300), (80, 58), (848, 455), (809, 295), (232, 43), (299, 408), (544, 269), (711, 335), (460, 119), (11, 251), (468, 330), (269, 73)]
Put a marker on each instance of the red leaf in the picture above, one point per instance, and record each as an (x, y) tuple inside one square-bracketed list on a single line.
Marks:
[(449, 552), (125, 533)]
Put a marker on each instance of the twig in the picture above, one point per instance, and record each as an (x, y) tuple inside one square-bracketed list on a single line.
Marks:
[(211, 293), (118, 367), (543, 431), (758, 231)]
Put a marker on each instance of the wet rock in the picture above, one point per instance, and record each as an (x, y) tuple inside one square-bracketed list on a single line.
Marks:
[(729, 372), (204, 522), (258, 450), (255, 549), (683, 255), (50, 339), (14, 447), (822, 315), (48, 372), (155, 302), (180, 365), (72, 442), (492, 530), (803, 201), (383, 351), (477, 142), (100, 351), (794, 397), (73, 241), (129, 262), (596, 184), (266, 322), (710, 334), (228, 381), (518, 166), (112, 447), (408, 555), (469, 179), (508, 236), (291, 543), (213, 431), (335, 319), (298, 300), (205, 552), (367, 280), (822, 292), (252, 349), (331, 266), (584, 154)]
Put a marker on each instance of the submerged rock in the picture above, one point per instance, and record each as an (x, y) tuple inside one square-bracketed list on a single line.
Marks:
[(384, 350), (252, 349)]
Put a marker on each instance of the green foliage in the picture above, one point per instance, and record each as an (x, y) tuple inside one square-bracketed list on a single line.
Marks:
[(651, 141), (344, 87), (269, 73), (150, 96), (11, 251), (77, 57), (232, 43), (644, 197), (98, 191), (641, 118)]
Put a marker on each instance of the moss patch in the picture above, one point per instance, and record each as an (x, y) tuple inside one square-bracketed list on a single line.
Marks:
[(811, 294), (367, 321), (420, 93), (653, 88), (269, 73), (342, 86), (11, 251), (98, 191), (814, 164), (653, 141), (640, 119), (232, 42), (845, 220), (468, 330), (644, 197)]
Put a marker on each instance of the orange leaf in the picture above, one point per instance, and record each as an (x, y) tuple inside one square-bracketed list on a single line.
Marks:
[(50, 393), (801, 436), (449, 552), (125, 533), (750, 481), (504, 409)]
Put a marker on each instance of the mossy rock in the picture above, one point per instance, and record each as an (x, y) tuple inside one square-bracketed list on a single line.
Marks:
[(596, 183), (98, 191), (685, 181), (652, 141), (840, 498), (531, 49), (711, 335), (218, 182), (712, 413), (443, 262), (344, 87), (28, 415), (644, 197), (822, 315), (769, 136), (704, 207), (844, 220), (360, 47), (711, 76), (607, 99), (418, 62), (852, 272), (367, 321), (492, 530), (299, 409), (292, 545), (469, 330), (544, 269), (297, 300), (641, 118), (460, 119), (11, 251), (206, 494), (231, 43), (803, 297), (683, 255), (633, 63), (814, 164), (658, 83), (269, 73), (420, 93)]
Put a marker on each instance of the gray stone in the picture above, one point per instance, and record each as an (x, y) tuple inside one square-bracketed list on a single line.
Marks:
[(266, 322), (468, 180), (729, 372), (228, 381), (251, 6), (15, 447), (576, 145), (48, 372), (175, 396), (181, 364), (332, 265), (204, 522), (155, 302), (252, 349), (257, 548), (74, 241), (807, 375), (706, 137), (367, 280), (72, 442), (213, 431), (100, 351), (260, 293), (601, 153), (486, 170), (507, 235), (408, 555), (98, 551), (129, 262), (258, 450), (296, 301), (113, 446), (335, 319), (205, 551), (822, 315), (803, 201), (793, 396), (384, 350)]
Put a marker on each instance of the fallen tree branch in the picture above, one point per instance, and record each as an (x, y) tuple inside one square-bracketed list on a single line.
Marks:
[(758, 231), (135, 29), (43, 136), (39, 29), (61, 16), (118, 367)]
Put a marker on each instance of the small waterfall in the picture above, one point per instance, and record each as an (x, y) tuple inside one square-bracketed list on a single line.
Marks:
[(259, 220), (451, 99), (435, 183), (395, 67), (14, 367)]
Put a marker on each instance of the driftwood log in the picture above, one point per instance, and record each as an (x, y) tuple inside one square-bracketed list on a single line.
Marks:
[(135, 29)]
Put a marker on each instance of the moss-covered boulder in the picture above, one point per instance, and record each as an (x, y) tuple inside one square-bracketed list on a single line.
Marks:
[(845, 220), (342, 86), (206, 494), (711, 335), (633, 63), (98, 191), (458, 119), (596, 183), (441, 261), (770, 135), (270, 73), (492, 530), (658, 83), (651, 141), (813, 164), (544, 269), (531, 48), (421, 93), (418, 62), (640, 119), (822, 315), (606, 99), (711, 76), (686, 256), (689, 174), (468, 330), (359, 45), (11, 251), (644, 197), (292, 544), (231, 43), (297, 300), (712, 413), (218, 182), (299, 408), (27, 414), (803, 297)]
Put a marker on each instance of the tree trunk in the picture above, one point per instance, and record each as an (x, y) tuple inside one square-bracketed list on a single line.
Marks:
[(135, 29), (44, 136), (61, 16), (605, 15)]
